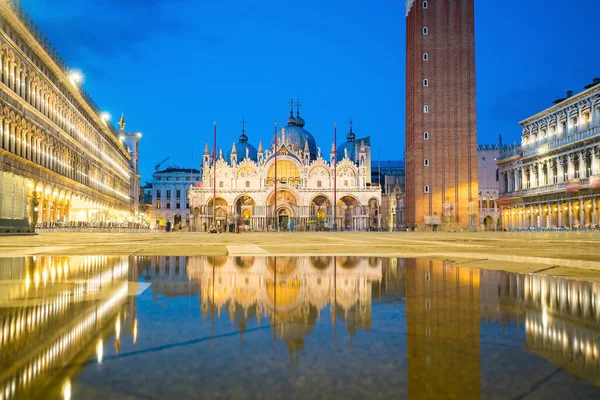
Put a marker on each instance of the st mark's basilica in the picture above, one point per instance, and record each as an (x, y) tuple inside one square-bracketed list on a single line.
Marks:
[(246, 178)]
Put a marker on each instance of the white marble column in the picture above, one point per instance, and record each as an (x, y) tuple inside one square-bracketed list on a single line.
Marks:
[(581, 213), (594, 211), (582, 169)]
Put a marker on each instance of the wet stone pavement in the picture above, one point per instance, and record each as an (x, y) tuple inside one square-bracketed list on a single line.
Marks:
[(291, 327)]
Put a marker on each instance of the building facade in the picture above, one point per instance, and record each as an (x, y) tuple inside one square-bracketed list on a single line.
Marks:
[(441, 144), (390, 175), (305, 198), (60, 159), (170, 195), (489, 186), (553, 178)]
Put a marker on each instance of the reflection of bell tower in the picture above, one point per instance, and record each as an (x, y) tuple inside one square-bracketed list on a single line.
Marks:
[(442, 322)]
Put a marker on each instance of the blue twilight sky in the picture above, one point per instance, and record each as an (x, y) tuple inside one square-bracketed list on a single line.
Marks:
[(174, 66)]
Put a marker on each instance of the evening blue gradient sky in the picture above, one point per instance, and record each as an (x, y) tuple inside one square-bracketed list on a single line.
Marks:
[(175, 66)]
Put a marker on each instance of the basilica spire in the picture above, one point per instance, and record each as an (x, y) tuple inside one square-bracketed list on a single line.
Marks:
[(299, 120), (351, 136), (291, 119)]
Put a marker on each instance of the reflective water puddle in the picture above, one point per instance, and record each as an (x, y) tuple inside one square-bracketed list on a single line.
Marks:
[(98, 327)]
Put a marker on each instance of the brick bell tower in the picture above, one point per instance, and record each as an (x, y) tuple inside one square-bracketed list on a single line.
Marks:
[(441, 143)]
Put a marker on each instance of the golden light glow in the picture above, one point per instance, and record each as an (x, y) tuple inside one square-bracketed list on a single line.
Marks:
[(76, 77), (135, 330), (67, 390), (100, 351)]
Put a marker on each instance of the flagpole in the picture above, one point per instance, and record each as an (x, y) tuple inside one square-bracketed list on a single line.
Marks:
[(275, 181), (335, 177), (215, 174)]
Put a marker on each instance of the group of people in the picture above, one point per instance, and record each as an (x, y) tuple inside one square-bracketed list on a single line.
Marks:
[(168, 227)]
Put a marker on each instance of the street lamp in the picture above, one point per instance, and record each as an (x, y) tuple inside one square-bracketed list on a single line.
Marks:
[(76, 77)]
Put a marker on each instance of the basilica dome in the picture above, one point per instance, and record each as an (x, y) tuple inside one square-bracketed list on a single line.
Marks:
[(349, 145), (297, 136), (242, 145)]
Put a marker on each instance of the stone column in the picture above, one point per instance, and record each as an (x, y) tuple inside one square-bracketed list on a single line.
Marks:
[(559, 214), (561, 171), (581, 213), (532, 217), (594, 212), (582, 169), (550, 224), (542, 219), (570, 211)]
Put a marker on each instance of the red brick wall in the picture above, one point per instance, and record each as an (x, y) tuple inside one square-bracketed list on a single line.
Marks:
[(451, 122)]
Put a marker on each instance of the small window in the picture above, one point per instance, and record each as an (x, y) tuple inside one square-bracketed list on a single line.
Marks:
[(425, 30), (318, 183), (345, 183), (425, 5), (425, 135), (425, 57), (426, 162), (247, 184), (221, 184), (178, 206), (426, 109), (158, 206), (425, 82), (168, 205), (426, 189)]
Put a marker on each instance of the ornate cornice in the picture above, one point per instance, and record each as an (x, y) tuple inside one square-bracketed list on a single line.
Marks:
[(15, 22), (564, 108)]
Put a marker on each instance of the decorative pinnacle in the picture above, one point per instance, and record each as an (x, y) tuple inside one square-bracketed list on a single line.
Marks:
[(122, 122)]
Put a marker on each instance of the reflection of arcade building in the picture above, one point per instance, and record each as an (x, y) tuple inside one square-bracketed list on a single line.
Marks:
[(245, 183), (290, 291), (561, 320), (79, 303)]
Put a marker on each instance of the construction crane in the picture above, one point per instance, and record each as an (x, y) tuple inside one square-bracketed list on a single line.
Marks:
[(157, 166)]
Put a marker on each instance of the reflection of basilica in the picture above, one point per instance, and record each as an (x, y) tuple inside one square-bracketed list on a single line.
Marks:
[(57, 310), (245, 184), (290, 291)]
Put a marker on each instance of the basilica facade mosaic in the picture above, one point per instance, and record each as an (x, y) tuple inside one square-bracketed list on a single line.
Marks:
[(303, 190)]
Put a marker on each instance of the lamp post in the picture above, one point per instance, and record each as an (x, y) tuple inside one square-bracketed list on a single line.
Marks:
[(275, 180), (215, 174), (335, 177)]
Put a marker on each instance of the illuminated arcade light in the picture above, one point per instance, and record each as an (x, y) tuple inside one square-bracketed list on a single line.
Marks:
[(67, 390), (76, 77)]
